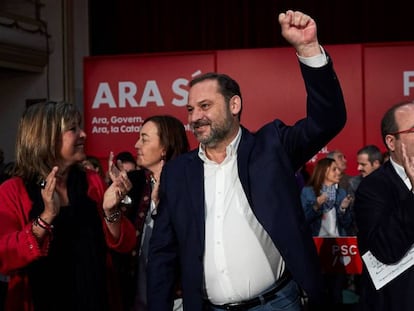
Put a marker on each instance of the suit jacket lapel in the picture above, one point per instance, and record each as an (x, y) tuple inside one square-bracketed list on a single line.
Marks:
[(396, 179), (243, 154), (195, 181)]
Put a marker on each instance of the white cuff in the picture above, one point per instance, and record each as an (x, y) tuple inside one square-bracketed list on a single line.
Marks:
[(316, 61)]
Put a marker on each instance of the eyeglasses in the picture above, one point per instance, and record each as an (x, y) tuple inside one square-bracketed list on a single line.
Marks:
[(411, 130)]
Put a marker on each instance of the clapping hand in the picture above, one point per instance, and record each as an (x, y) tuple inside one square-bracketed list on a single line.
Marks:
[(114, 172), (50, 197), (346, 202)]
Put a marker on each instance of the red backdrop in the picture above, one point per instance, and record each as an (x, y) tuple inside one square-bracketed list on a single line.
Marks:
[(121, 91)]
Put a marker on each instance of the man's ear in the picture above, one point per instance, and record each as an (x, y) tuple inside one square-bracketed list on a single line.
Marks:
[(390, 142), (235, 105)]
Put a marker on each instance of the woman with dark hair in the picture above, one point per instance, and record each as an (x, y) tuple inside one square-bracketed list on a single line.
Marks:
[(326, 208), (162, 138), (324, 203), (58, 220)]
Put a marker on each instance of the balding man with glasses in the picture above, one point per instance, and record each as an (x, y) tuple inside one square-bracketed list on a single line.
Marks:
[(384, 207)]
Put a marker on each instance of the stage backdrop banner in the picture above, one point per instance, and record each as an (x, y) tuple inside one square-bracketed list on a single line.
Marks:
[(389, 79), (121, 91)]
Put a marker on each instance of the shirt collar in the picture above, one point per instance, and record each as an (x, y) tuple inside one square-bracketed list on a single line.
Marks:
[(400, 170)]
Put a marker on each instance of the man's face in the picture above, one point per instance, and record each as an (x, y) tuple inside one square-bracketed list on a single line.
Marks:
[(404, 117), (364, 165), (210, 117), (340, 161)]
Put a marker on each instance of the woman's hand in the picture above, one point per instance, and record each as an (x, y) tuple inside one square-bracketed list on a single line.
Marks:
[(319, 201), (346, 202), (322, 199), (50, 197), (120, 186)]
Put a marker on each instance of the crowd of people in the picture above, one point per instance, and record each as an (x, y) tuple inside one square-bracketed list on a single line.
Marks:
[(226, 226)]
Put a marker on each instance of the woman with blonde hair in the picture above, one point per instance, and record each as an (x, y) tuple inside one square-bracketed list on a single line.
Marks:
[(58, 220)]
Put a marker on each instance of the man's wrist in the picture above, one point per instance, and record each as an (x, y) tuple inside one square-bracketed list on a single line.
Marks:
[(315, 61)]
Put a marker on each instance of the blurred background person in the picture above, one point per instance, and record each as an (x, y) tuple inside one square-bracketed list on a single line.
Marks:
[(122, 161), (324, 203), (369, 158), (341, 161), (326, 208), (57, 220), (93, 163), (125, 161)]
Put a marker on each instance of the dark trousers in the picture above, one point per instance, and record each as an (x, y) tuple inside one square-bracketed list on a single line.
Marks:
[(3, 294)]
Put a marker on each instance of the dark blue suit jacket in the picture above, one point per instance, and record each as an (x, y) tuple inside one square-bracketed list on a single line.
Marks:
[(384, 209), (267, 161)]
